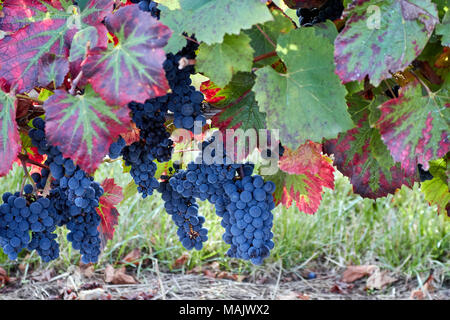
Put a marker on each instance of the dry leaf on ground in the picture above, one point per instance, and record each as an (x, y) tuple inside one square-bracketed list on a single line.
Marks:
[(118, 276), (342, 287), (379, 279), (133, 256), (353, 273), (181, 261), (4, 279), (421, 293)]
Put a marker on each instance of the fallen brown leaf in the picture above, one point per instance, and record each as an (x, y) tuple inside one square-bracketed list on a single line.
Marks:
[(419, 294), (94, 294), (4, 279), (118, 276), (133, 257), (379, 279), (353, 273), (181, 261), (342, 287)]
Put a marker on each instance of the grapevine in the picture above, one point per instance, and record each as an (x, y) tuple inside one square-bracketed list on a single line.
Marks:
[(86, 83)]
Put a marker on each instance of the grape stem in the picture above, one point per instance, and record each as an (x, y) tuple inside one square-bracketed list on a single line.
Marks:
[(25, 159), (22, 96), (24, 162), (422, 83), (389, 88)]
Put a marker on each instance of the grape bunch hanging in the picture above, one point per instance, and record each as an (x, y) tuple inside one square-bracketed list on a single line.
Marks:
[(62, 194)]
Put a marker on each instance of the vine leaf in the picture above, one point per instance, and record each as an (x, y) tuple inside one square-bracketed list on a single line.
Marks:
[(210, 20), (16, 14), (49, 29), (135, 63), (307, 102), (243, 114), (443, 29), (382, 39), (220, 61), (112, 196), (260, 44), (9, 138), (415, 127), (240, 84), (361, 155), (303, 175), (436, 190), (83, 126), (52, 69)]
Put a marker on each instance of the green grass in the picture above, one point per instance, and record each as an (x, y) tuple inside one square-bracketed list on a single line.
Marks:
[(401, 233)]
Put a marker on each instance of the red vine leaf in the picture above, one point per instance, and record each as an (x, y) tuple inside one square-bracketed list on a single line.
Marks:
[(18, 13), (360, 155), (415, 127), (210, 92), (132, 135), (107, 211), (52, 69), (135, 63), (380, 40), (305, 173), (83, 126), (307, 158), (9, 135), (49, 30)]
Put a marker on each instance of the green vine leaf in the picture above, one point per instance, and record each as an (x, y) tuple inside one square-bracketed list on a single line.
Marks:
[(443, 29), (210, 20), (436, 190), (220, 61), (308, 102)]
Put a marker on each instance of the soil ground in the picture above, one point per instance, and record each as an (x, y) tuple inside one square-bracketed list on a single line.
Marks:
[(85, 284)]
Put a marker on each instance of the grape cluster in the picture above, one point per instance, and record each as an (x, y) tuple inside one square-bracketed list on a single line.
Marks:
[(115, 149), (184, 212), (331, 10), (185, 102), (148, 6), (150, 118), (20, 215), (74, 196), (143, 168), (248, 219), (244, 201)]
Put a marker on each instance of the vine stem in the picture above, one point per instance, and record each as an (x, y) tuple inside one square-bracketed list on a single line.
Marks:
[(422, 83), (22, 96), (75, 83), (265, 56), (190, 39), (266, 36), (389, 88)]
